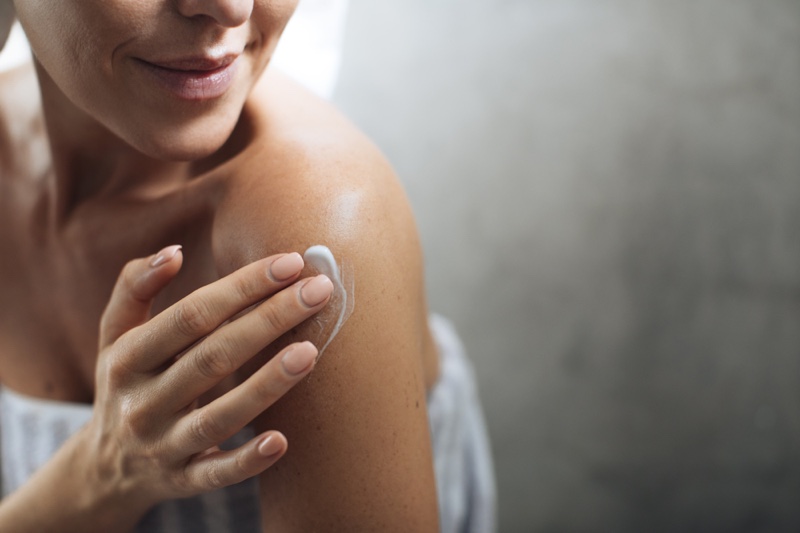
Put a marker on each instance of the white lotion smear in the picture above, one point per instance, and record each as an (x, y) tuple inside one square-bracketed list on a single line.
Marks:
[(331, 319)]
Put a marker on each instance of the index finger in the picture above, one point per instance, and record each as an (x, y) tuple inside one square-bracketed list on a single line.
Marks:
[(182, 324), (140, 281)]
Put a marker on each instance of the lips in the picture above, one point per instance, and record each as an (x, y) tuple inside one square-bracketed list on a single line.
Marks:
[(193, 78)]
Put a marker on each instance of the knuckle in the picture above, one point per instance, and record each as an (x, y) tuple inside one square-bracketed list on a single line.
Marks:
[(269, 389), (114, 367), (205, 430), (242, 467), (138, 421), (182, 481), (212, 360), (130, 278), (245, 288), (116, 372), (117, 368), (274, 317), (213, 476), (128, 272), (192, 318)]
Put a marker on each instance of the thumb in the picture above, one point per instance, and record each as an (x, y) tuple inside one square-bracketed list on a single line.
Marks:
[(137, 285)]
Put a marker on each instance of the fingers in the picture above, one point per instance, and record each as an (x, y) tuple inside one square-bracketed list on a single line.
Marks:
[(192, 318), (137, 285), (219, 469), (227, 349), (225, 416), (200, 433)]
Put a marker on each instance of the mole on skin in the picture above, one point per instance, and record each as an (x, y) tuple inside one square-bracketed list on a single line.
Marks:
[(321, 258)]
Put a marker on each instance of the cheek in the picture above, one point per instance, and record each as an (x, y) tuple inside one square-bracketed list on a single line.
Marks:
[(82, 45), (52, 33), (276, 8), (270, 17), (74, 40), (268, 21)]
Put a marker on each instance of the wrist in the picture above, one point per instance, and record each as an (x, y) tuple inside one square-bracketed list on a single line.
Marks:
[(67, 495), (102, 488)]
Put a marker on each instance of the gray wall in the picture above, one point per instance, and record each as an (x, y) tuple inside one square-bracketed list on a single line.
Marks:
[(608, 192)]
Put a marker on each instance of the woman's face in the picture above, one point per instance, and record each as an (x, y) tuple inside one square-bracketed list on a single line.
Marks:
[(169, 77)]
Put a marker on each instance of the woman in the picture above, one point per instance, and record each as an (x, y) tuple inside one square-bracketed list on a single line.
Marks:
[(156, 124)]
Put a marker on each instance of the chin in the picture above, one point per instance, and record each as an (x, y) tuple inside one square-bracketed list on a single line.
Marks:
[(178, 150), (183, 144)]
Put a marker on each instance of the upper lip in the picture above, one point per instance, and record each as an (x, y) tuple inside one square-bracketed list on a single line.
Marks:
[(196, 63)]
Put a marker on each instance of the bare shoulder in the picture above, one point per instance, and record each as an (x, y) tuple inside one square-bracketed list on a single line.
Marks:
[(359, 449), (311, 178)]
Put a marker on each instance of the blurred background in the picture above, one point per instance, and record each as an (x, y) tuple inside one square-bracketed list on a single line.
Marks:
[(608, 192)]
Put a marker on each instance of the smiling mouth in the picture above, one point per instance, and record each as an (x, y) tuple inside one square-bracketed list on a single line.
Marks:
[(199, 63), (194, 79)]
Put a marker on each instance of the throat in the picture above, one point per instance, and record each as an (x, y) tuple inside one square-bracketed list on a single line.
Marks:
[(110, 179)]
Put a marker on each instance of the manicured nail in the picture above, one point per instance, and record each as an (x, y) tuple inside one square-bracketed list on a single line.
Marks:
[(286, 266), (165, 255), (316, 290), (299, 358), (270, 445)]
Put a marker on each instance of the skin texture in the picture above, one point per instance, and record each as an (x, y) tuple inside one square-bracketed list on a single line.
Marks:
[(360, 450), (148, 440), (107, 167)]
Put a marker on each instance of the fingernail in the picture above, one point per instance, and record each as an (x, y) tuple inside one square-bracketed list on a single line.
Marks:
[(299, 358), (286, 266), (270, 445), (315, 291), (165, 255)]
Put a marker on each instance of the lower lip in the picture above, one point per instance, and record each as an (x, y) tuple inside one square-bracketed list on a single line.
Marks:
[(194, 85)]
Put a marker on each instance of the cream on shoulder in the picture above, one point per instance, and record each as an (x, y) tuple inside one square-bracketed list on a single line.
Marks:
[(330, 320)]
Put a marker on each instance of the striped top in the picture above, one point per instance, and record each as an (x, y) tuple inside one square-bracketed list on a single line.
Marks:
[(31, 430)]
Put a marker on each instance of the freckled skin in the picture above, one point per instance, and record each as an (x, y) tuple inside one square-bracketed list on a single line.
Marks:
[(368, 465), (359, 454), (103, 168)]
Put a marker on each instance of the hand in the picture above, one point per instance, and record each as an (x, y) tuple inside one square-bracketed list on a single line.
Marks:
[(148, 440)]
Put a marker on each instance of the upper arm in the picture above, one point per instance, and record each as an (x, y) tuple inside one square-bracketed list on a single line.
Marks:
[(359, 454)]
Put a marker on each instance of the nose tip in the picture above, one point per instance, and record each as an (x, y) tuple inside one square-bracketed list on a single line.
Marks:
[(228, 13)]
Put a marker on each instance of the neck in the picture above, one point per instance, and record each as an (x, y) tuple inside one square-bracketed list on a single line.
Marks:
[(90, 161)]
